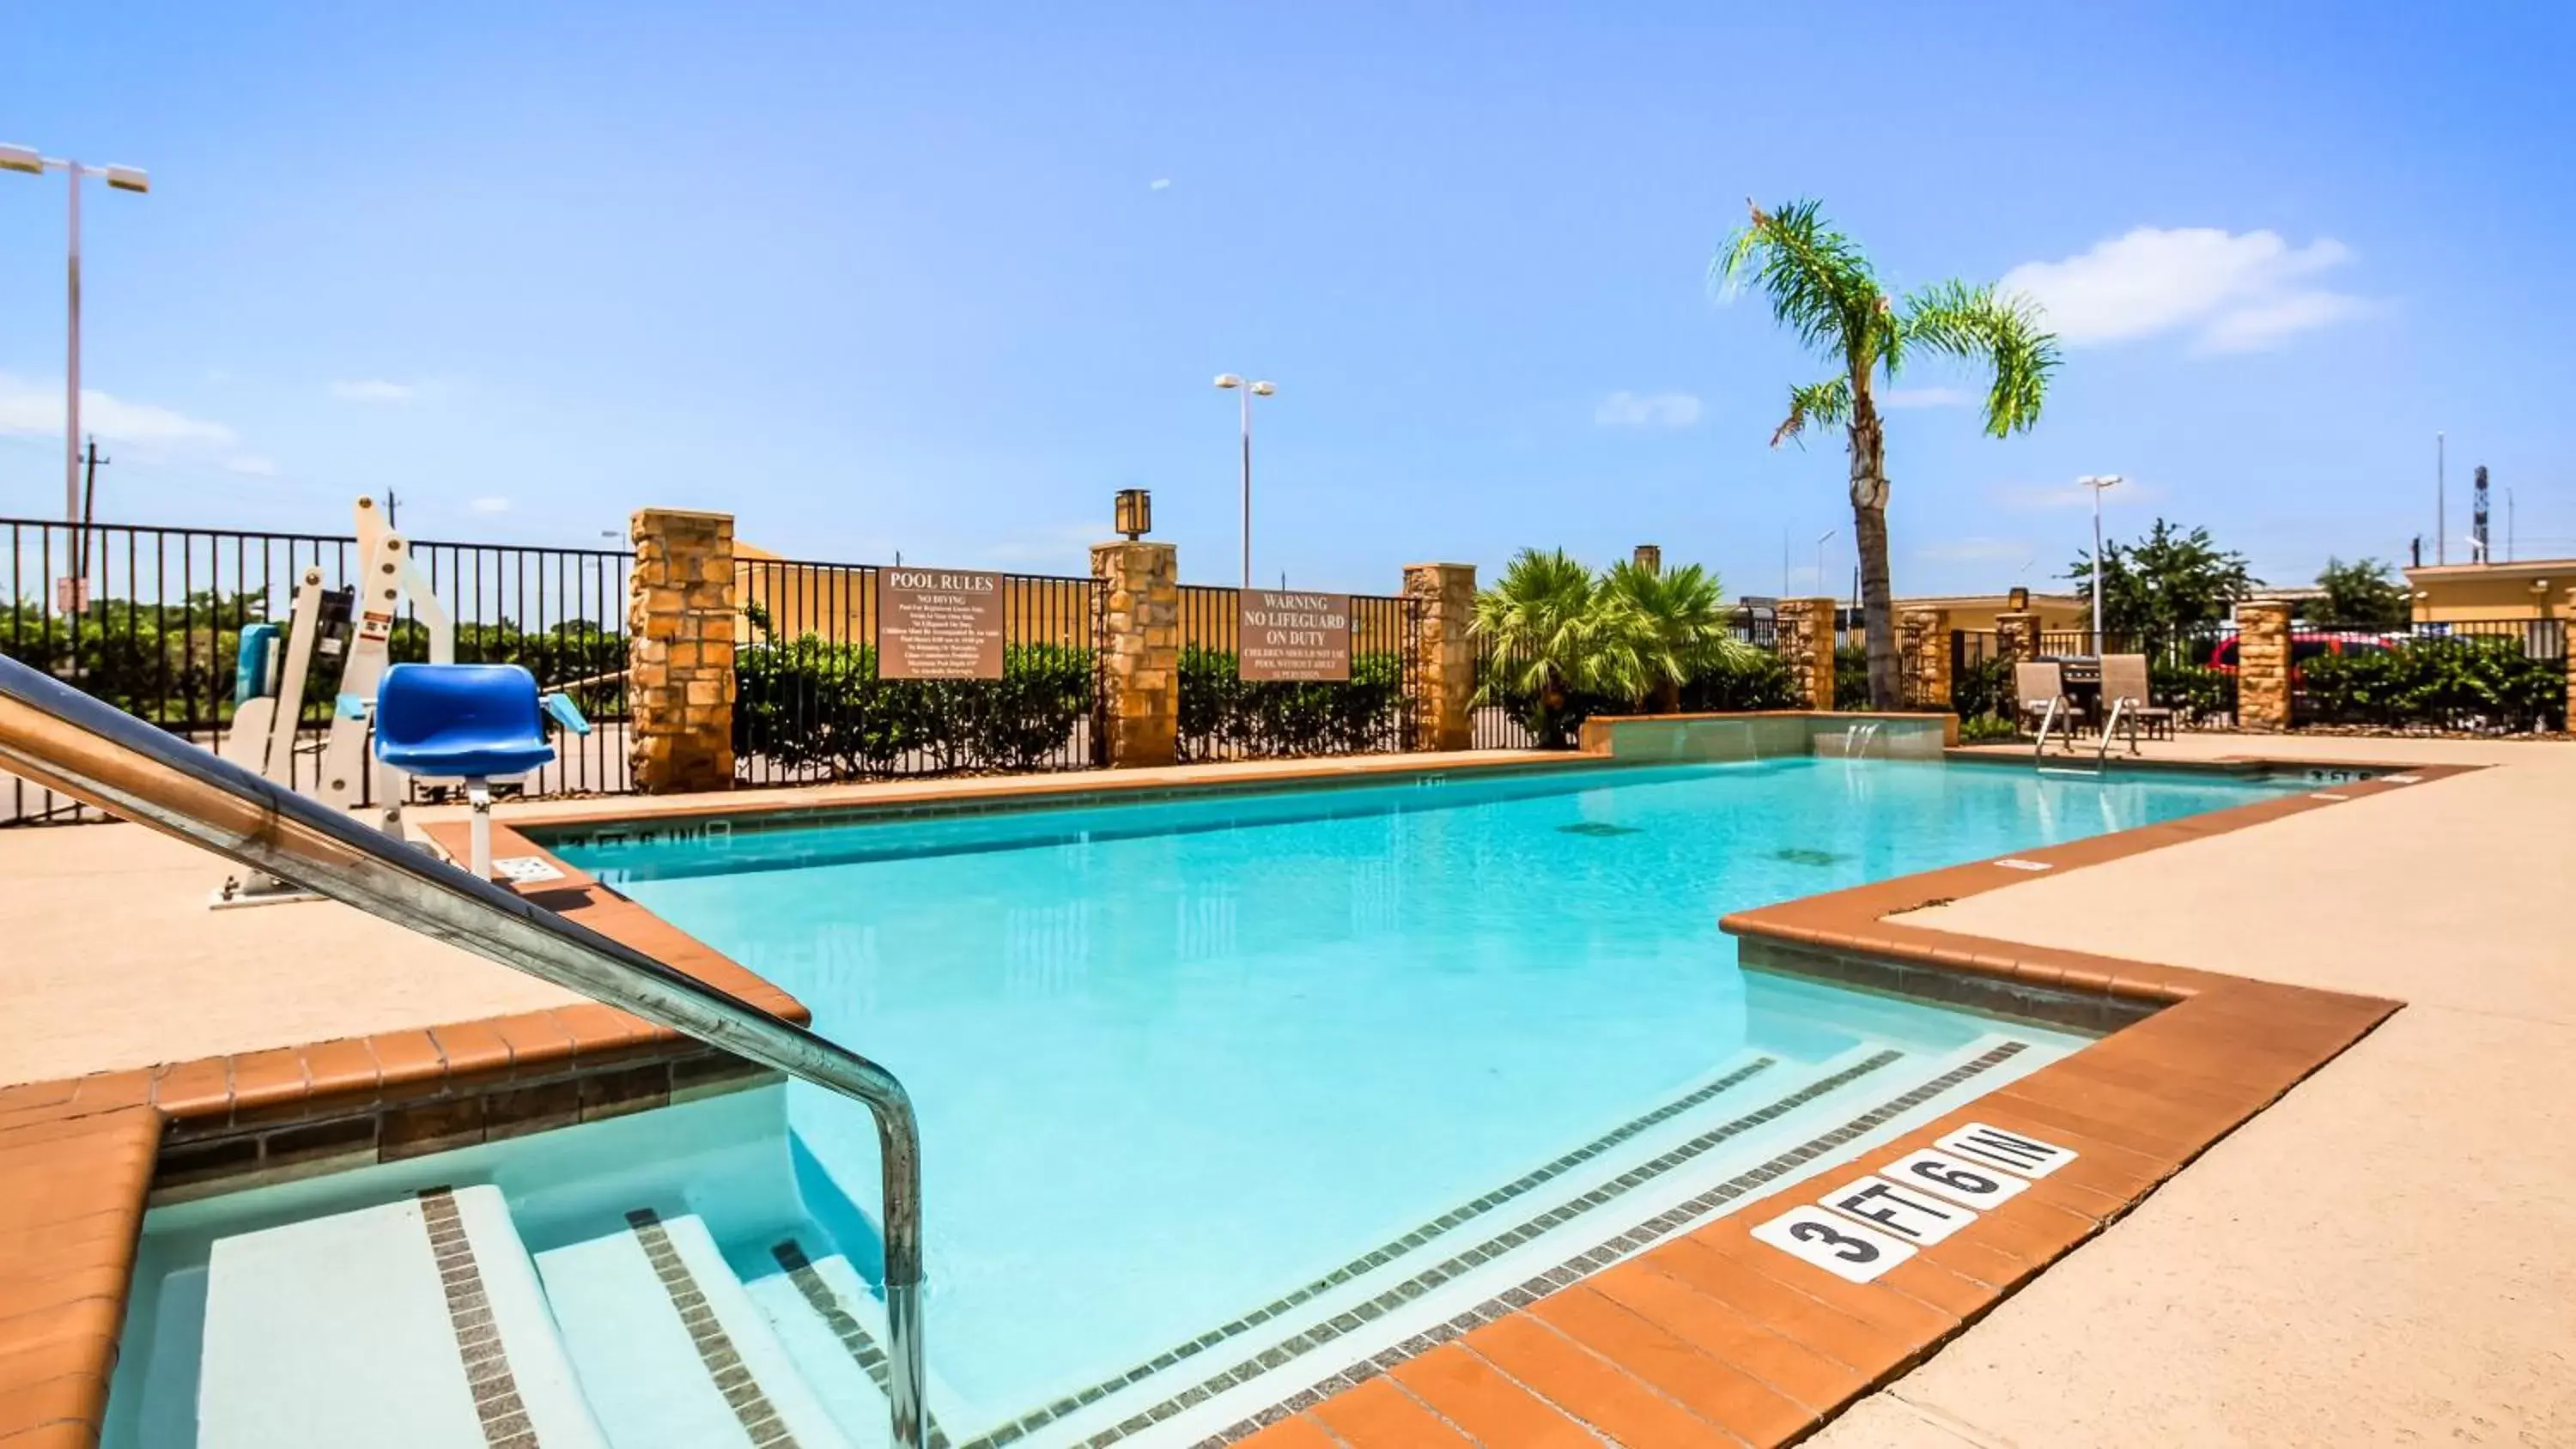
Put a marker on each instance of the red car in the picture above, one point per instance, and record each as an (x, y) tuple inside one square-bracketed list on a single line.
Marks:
[(2303, 647)]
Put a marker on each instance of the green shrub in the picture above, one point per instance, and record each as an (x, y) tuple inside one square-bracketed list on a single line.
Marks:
[(1851, 676), (1986, 729), (2469, 683), (1756, 679), (1221, 715), (809, 702), (1983, 690), (2194, 691)]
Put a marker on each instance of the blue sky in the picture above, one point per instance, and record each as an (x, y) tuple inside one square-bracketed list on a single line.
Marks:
[(876, 278)]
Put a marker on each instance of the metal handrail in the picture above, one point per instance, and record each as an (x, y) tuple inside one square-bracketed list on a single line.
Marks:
[(2047, 721), (2110, 727), (67, 741)]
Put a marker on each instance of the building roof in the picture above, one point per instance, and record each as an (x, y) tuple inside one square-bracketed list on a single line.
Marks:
[(2528, 568)]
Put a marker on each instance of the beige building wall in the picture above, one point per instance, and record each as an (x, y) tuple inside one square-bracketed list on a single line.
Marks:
[(839, 603), (2461, 593)]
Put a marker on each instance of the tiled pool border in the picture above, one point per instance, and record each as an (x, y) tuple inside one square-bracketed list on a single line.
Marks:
[(79, 1157)]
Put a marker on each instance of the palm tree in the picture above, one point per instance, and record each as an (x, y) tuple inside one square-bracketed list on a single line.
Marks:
[(1542, 621), (1822, 288), (1657, 630)]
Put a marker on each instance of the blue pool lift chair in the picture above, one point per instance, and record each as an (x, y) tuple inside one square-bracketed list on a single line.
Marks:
[(471, 722)]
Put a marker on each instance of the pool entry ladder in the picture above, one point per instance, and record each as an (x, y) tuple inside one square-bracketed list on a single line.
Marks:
[(60, 738)]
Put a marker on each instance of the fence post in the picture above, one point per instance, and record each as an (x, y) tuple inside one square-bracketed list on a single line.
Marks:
[(1806, 645), (2263, 666), (1923, 637), (679, 651), (1443, 666), (1138, 634)]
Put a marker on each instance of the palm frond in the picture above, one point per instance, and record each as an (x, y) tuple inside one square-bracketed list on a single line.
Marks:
[(2001, 333), (1828, 403), (1660, 629), (1541, 619), (1819, 284)]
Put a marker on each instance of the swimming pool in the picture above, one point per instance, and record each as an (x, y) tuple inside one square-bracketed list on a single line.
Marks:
[(1219, 1094)]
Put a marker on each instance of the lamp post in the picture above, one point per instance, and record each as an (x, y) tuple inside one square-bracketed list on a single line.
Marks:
[(1821, 540), (121, 178), (2098, 482), (1249, 391)]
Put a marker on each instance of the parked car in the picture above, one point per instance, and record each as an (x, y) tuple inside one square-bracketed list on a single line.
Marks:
[(2303, 647)]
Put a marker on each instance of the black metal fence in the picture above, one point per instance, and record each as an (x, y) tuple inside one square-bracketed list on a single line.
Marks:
[(810, 706), (150, 620), (2489, 676), (1224, 717)]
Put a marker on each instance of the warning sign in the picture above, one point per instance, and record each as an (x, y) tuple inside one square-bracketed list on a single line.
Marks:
[(1293, 636)]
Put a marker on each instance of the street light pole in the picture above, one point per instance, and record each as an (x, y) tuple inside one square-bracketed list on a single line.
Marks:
[(123, 178), (1250, 391), (2098, 482)]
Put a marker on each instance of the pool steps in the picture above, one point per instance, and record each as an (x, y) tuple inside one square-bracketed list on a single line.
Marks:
[(379, 1327), (645, 1336), (674, 1352)]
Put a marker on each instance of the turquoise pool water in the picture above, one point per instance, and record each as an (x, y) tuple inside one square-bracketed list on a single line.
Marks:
[(1174, 1060)]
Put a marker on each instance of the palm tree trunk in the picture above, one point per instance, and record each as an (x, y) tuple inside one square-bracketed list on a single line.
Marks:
[(1869, 531)]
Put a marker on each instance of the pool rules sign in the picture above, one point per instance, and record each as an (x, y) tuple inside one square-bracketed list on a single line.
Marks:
[(939, 624), (1284, 635)]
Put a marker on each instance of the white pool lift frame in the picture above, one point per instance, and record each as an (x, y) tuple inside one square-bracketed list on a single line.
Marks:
[(262, 737)]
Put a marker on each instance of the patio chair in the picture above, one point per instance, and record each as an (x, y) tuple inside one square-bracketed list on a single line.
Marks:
[(470, 722), (2035, 688), (2124, 678)]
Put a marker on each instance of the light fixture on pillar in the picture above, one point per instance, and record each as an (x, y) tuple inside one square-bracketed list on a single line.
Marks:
[(1135, 512), (1650, 557), (2017, 601)]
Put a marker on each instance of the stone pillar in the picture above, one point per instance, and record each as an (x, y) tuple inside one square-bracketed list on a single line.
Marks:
[(2263, 666), (1806, 645), (1138, 615), (1923, 641), (1443, 662), (679, 651), (2567, 645), (2017, 637)]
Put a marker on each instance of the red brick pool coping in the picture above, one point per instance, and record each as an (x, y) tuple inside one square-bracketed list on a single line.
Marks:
[(1705, 1338)]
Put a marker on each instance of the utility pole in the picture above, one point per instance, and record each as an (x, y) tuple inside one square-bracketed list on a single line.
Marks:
[(390, 502), (2441, 503), (88, 512)]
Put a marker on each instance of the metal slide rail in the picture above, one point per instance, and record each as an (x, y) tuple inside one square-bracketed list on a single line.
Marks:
[(65, 740)]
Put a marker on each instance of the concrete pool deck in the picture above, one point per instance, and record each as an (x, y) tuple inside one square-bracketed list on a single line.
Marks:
[(2388, 1254)]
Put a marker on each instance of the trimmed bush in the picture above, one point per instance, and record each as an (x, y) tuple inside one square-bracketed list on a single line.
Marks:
[(2486, 684), (808, 702), (1223, 716)]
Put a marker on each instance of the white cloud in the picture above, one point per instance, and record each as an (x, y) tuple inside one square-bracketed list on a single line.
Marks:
[(27, 407), (375, 389), (2257, 328), (1159, 183), (2047, 497), (2236, 291), (253, 465), (490, 505), (1925, 397), (1974, 550), (1647, 410)]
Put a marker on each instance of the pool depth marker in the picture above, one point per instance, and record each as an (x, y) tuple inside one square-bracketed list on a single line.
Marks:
[(1867, 1226)]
